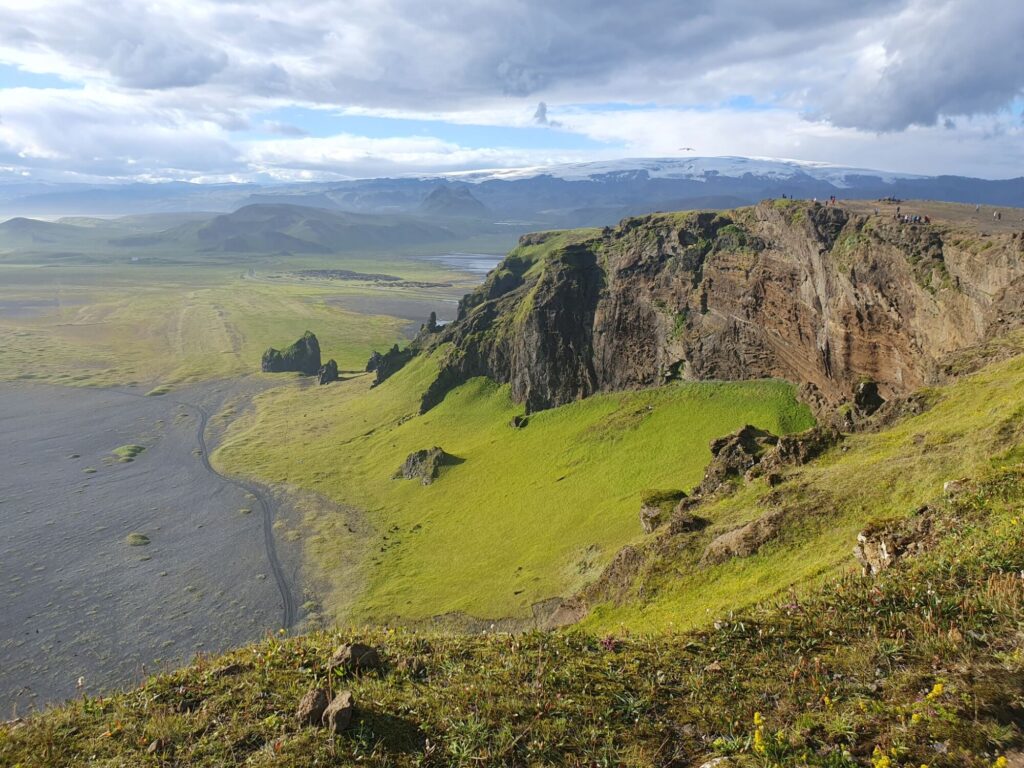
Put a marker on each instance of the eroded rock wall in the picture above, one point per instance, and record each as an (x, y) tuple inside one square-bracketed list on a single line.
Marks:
[(810, 293)]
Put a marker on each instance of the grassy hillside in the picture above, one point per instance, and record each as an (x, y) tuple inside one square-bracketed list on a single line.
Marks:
[(921, 666), (528, 514), (970, 426)]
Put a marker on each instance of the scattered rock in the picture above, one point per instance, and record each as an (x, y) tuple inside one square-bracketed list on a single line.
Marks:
[(424, 464), (338, 715), (882, 545), (312, 707), (154, 746), (799, 449), (733, 456), (228, 670), (328, 372), (354, 658), (954, 487), (718, 762), (413, 666), (656, 506), (745, 540), (303, 357), (684, 521)]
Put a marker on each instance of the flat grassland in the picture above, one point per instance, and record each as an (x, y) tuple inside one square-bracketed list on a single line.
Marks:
[(114, 325)]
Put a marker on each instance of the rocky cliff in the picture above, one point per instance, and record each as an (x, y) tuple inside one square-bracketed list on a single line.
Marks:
[(819, 295)]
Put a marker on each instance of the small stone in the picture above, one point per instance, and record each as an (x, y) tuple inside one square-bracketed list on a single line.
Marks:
[(338, 715), (312, 707), (155, 746)]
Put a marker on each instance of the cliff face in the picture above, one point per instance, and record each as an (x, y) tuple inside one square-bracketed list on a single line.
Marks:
[(808, 293)]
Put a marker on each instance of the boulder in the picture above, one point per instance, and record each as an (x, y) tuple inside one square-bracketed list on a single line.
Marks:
[(424, 465), (338, 715), (734, 455), (312, 707), (656, 507), (354, 658), (328, 372), (745, 540), (302, 357)]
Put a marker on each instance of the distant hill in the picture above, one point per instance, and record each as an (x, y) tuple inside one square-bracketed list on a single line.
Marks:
[(32, 232), (452, 201), (294, 229)]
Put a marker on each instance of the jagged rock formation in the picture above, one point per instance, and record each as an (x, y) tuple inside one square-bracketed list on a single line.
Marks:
[(328, 372), (303, 356), (388, 364), (810, 293), (425, 465), (734, 455)]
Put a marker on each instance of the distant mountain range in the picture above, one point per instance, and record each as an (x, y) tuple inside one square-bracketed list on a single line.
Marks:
[(258, 229), (575, 194)]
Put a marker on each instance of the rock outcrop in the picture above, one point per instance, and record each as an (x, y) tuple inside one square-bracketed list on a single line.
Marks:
[(388, 364), (328, 372), (734, 455), (880, 546), (424, 465), (656, 507), (303, 357), (809, 293)]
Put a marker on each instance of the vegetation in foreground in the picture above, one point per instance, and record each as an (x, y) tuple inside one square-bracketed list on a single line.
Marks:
[(920, 666)]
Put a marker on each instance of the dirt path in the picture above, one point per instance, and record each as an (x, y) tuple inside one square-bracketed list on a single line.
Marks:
[(261, 498), (267, 511)]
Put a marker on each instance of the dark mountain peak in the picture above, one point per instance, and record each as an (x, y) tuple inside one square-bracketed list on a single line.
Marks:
[(452, 200)]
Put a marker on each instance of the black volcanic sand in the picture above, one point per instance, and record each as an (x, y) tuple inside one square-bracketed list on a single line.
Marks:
[(415, 310), (78, 600)]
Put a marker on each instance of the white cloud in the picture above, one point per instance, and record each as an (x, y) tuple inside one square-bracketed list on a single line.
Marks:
[(166, 82)]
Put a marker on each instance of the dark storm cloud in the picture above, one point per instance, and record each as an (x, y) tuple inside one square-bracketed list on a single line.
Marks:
[(941, 58)]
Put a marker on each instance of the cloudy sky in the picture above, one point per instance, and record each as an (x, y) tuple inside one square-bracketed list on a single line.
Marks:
[(217, 90)]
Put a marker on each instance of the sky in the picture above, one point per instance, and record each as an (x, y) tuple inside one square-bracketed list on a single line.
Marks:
[(276, 90)]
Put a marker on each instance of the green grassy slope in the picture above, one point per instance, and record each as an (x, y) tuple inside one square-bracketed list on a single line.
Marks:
[(529, 514), (972, 425), (921, 666)]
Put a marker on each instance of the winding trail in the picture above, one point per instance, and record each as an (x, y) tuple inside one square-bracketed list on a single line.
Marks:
[(266, 509)]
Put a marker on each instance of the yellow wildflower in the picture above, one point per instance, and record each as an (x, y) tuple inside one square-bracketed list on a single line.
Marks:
[(758, 720), (759, 742), (915, 718), (936, 691), (1001, 762)]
